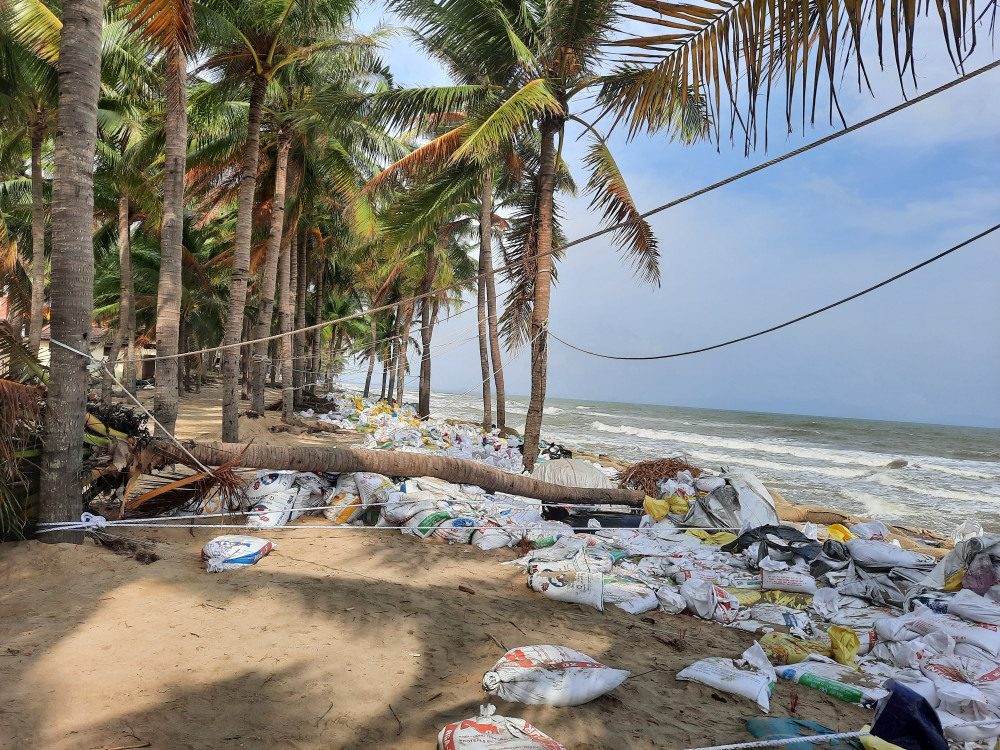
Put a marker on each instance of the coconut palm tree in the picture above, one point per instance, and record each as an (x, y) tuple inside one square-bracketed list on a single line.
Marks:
[(246, 44)]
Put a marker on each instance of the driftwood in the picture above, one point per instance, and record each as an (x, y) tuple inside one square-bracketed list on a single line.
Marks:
[(398, 464)]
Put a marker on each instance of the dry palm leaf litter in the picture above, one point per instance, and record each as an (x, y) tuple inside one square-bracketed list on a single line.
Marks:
[(645, 474)]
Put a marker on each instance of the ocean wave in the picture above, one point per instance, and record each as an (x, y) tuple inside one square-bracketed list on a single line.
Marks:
[(552, 410), (778, 469), (583, 407), (734, 444), (882, 508), (956, 472), (934, 490)]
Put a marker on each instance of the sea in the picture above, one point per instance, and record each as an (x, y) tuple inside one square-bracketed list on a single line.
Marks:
[(934, 476)]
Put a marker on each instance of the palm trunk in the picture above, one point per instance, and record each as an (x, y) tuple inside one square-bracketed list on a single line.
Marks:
[(318, 332), (37, 321), (371, 358), (126, 311), (385, 378), (424, 389), (404, 344), (241, 267), (168, 294), (72, 264), (285, 324), (400, 464), (394, 354), (263, 329), (540, 311), (485, 240), (301, 280), (107, 384), (491, 303)]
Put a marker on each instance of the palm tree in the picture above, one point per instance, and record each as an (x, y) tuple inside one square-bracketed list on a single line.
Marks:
[(540, 56), (72, 260), (29, 98), (247, 44)]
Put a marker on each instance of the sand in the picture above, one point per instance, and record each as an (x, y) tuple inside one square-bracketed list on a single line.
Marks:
[(337, 639)]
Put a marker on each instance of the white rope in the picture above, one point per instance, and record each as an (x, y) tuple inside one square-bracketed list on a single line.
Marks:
[(111, 374)]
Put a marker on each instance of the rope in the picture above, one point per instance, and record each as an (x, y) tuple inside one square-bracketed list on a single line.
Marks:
[(99, 364), (614, 227), (794, 320)]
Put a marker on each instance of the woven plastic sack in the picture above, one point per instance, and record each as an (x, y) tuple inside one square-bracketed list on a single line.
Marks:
[(269, 482), (346, 508), (550, 675), (491, 732), (271, 510), (373, 488), (570, 586), (234, 551)]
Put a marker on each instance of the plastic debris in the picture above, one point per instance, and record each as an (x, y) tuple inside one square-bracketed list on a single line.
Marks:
[(234, 551), (752, 676)]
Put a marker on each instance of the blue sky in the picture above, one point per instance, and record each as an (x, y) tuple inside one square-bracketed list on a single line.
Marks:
[(777, 244)]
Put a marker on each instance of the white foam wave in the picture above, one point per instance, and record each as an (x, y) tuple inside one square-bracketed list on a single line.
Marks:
[(881, 508), (934, 490), (798, 451), (552, 410), (582, 407), (956, 472), (774, 468)]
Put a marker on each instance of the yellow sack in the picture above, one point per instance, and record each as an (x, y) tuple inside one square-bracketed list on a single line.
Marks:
[(845, 644), (954, 582), (658, 509), (679, 506), (746, 597), (782, 649), (871, 742), (788, 599), (839, 532), (717, 539)]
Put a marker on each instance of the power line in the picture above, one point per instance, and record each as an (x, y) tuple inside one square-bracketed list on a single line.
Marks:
[(794, 320), (620, 225)]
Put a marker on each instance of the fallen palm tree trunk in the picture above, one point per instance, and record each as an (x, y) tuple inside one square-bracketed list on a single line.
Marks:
[(398, 464)]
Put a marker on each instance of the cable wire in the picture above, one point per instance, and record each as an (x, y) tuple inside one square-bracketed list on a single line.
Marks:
[(900, 275)]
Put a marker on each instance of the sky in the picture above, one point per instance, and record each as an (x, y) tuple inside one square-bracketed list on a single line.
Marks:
[(781, 243)]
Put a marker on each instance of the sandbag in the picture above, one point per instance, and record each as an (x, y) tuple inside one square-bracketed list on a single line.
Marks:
[(345, 508), (632, 596), (971, 606), (550, 675), (752, 676), (710, 602), (373, 489), (870, 530), (569, 472), (234, 551), (269, 482), (570, 586), (670, 600), (874, 555), (966, 687), (984, 636), (492, 732), (271, 510), (776, 580)]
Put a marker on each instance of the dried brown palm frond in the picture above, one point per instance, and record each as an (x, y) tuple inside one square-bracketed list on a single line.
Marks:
[(737, 53), (645, 474)]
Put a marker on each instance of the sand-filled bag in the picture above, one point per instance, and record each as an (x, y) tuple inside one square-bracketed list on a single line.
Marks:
[(491, 732), (550, 675)]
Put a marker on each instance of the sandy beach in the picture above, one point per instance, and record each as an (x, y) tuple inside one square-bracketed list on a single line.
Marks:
[(337, 639)]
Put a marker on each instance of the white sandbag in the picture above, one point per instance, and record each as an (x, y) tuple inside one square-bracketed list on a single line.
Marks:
[(798, 583), (346, 508), (670, 600), (971, 606), (492, 732), (271, 510), (896, 628), (632, 596), (491, 536), (752, 677), (234, 551), (966, 687), (569, 472), (346, 483), (984, 735), (982, 635), (433, 484), (874, 555), (570, 586), (268, 483), (592, 560), (457, 530), (826, 603), (870, 530), (550, 675), (709, 602), (424, 523), (373, 489), (706, 483)]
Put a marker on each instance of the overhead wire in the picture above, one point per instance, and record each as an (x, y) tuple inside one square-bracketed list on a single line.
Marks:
[(787, 323)]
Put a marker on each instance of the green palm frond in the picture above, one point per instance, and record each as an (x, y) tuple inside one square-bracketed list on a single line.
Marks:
[(612, 196)]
